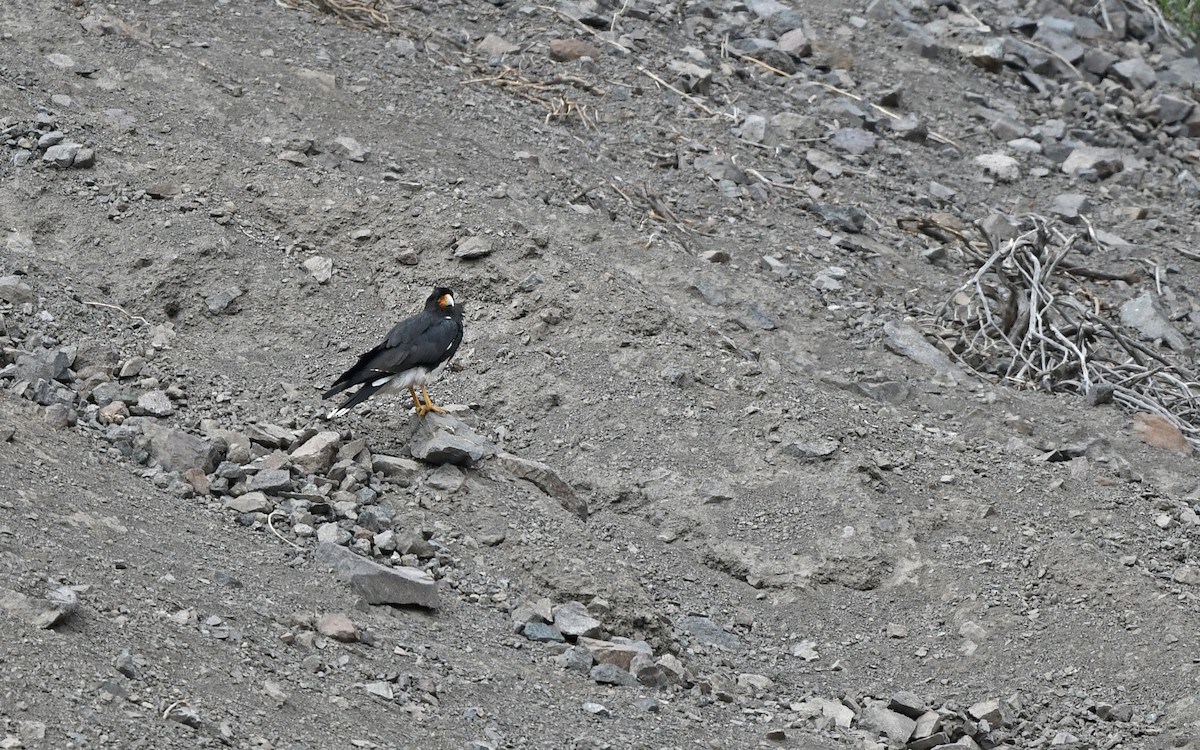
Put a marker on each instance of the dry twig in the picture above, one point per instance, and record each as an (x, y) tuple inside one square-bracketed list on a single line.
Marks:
[(1019, 318)]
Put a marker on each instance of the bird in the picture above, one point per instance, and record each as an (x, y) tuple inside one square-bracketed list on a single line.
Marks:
[(414, 352)]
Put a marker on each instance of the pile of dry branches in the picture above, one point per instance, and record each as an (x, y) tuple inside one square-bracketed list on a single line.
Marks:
[(1026, 318)]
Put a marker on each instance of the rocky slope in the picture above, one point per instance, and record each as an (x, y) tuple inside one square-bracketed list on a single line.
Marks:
[(719, 472)]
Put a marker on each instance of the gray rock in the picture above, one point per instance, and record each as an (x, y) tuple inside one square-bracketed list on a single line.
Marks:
[(60, 416), (575, 659), (907, 341), (472, 248), (1144, 313), (270, 481), (908, 704), (847, 218), (853, 141), (320, 267), (176, 450), (1000, 166), (154, 404), (1071, 206), (442, 439), (395, 466), (542, 632), (1134, 73), (812, 450), (44, 364), (221, 302), (270, 435), (53, 138), (378, 584), (1172, 109), (350, 148), (60, 604), (378, 519), (595, 709), (545, 479), (897, 727), (14, 290), (332, 534), (1093, 163), (704, 630), (611, 674), (62, 154), (573, 621), (85, 158), (316, 454), (251, 502), (992, 711), (446, 478)]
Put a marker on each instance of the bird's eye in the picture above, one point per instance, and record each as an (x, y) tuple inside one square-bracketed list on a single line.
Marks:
[(446, 300)]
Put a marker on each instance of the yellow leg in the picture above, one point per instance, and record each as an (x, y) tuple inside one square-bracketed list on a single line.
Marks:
[(416, 401), (429, 405)]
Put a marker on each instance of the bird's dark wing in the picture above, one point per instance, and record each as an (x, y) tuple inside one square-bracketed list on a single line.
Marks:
[(419, 341)]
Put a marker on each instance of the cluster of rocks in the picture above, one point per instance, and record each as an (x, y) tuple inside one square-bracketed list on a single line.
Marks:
[(579, 643), (42, 136), (323, 488)]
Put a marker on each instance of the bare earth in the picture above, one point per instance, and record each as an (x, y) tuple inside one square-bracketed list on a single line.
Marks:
[(807, 520)]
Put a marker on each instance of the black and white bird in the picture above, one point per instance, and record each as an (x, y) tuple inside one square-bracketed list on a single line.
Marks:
[(414, 352)]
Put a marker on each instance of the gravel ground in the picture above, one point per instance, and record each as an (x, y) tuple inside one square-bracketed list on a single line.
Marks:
[(732, 460)]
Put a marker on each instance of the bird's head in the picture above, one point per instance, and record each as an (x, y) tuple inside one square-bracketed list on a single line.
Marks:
[(442, 302)]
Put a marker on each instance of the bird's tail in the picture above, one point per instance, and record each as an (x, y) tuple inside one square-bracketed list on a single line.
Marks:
[(359, 396)]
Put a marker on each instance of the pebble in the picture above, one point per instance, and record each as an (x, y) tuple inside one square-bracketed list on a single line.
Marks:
[(473, 248), (176, 450), (611, 674), (542, 633), (320, 267), (337, 626), (573, 621), (154, 404), (1001, 166), (251, 502), (595, 709), (317, 454), (271, 481)]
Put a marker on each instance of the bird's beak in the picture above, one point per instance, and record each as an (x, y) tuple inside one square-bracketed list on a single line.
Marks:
[(446, 300)]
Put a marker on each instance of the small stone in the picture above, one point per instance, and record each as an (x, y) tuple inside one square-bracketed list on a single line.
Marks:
[(332, 534), (776, 735), (1071, 206), (378, 584), (972, 631), (567, 50), (897, 727), (14, 290), (649, 705), (620, 653), (1133, 73), (907, 703), (1093, 163), (542, 632), (1146, 315), (814, 450), (573, 620), (251, 502), (338, 627), (60, 416), (271, 481), (1188, 575), (62, 154), (316, 454), (350, 148), (493, 44), (1001, 166), (806, 650), (320, 267), (989, 711), (595, 709), (154, 404), (472, 248), (131, 367), (545, 479), (446, 478), (611, 674), (114, 412), (895, 630), (175, 450), (575, 659), (85, 158), (222, 302), (395, 466)]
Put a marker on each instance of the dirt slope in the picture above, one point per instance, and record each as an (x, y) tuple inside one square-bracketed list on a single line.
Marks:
[(688, 299)]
